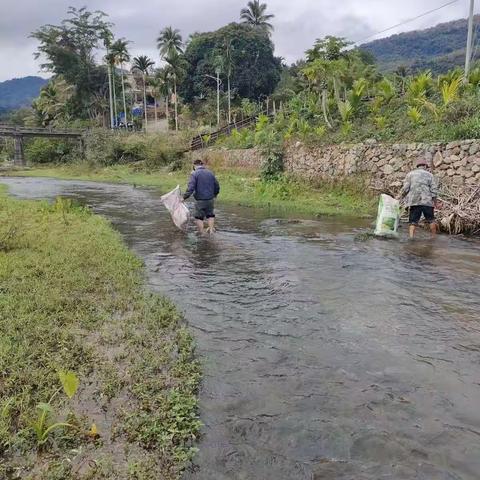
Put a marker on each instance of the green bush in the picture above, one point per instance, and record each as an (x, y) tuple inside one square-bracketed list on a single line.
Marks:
[(105, 148), (7, 149), (467, 130), (128, 149), (44, 150), (238, 139)]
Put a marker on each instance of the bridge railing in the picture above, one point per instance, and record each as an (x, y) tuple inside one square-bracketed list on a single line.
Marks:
[(32, 131)]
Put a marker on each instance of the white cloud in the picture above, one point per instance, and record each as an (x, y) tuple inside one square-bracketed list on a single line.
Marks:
[(297, 23)]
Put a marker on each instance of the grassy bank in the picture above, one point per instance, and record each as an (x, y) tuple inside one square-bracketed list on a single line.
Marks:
[(74, 307), (237, 187)]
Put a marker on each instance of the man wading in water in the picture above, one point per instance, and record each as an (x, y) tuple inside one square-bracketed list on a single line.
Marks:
[(420, 190), (205, 188)]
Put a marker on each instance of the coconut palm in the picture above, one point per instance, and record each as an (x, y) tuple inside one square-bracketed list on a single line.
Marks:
[(163, 76), (120, 52), (169, 41), (50, 106), (254, 14), (142, 64), (169, 44)]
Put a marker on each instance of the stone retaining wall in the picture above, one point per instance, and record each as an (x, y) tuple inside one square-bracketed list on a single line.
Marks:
[(457, 163)]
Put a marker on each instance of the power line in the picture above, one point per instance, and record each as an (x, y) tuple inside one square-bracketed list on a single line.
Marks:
[(406, 21)]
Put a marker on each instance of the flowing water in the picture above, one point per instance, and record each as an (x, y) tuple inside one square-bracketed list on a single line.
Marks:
[(324, 357)]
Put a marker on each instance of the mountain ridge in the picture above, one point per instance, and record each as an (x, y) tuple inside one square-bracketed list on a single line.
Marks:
[(19, 92), (437, 48)]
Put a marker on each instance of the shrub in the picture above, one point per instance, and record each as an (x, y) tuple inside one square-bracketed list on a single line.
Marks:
[(44, 150), (128, 149), (468, 129), (105, 148), (7, 150), (238, 139), (99, 147)]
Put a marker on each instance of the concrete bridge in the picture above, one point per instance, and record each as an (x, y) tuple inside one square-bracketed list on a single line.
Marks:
[(19, 133)]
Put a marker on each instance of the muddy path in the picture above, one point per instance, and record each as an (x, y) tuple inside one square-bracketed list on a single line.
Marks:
[(324, 357)]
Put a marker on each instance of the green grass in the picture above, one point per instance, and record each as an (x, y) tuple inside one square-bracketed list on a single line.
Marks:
[(241, 187), (73, 298)]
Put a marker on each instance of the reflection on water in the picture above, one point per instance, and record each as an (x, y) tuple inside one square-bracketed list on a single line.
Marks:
[(324, 357)]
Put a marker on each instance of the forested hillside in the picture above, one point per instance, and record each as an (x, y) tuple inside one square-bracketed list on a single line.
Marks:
[(439, 48), (19, 92)]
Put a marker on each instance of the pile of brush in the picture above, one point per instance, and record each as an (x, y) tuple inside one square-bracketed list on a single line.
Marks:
[(459, 210)]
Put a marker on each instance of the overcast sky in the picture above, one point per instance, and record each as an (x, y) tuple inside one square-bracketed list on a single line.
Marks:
[(297, 22)]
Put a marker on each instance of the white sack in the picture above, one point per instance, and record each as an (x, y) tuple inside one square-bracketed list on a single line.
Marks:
[(388, 216), (178, 210)]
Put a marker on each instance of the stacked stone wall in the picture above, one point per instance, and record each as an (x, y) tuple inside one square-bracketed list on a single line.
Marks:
[(456, 163)]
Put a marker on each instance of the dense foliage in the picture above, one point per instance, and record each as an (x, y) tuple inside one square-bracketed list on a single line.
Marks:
[(337, 95), (255, 69), (69, 51), (439, 48)]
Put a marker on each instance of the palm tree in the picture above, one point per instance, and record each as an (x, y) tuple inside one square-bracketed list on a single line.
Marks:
[(254, 14), (120, 52), (176, 63), (50, 106), (143, 64), (169, 41), (169, 44), (163, 77)]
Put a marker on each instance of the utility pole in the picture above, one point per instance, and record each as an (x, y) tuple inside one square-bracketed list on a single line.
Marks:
[(110, 93), (468, 57), (219, 82), (218, 97)]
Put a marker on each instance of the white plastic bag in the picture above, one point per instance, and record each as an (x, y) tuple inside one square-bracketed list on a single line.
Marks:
[(388, 216), (178, 210)]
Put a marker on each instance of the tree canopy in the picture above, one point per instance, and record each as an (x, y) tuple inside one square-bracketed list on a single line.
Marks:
[(68, 50), (255, 69)]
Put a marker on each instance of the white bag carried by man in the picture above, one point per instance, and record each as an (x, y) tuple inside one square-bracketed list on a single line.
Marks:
[(388, 216), (173, 202)]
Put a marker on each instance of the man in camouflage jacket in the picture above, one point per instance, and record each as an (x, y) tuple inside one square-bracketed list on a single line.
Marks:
[(420, 191)]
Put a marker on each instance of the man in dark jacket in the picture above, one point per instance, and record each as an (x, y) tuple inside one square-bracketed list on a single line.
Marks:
[(204, 187)]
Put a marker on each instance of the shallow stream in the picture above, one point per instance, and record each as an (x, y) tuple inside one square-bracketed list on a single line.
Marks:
[(324, 357)]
